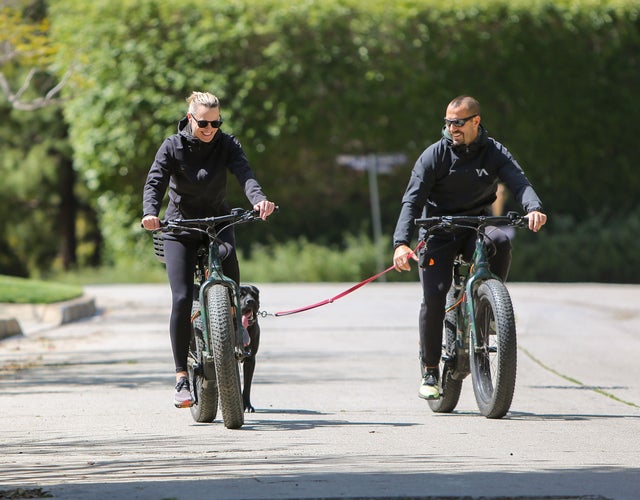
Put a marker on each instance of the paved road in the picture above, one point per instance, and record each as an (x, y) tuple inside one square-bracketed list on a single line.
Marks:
[(86, 408)]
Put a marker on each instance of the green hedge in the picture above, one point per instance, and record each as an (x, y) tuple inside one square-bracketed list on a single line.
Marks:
[(603, 248), (302, 83)]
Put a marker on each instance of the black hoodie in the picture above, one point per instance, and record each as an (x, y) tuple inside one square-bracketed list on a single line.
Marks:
[(461, 180), (196, 174)]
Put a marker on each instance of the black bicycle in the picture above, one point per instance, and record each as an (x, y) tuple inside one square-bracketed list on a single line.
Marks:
[(216, 346), (479, 326)]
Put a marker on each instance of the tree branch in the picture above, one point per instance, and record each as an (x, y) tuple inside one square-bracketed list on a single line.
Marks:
[(15, 99)]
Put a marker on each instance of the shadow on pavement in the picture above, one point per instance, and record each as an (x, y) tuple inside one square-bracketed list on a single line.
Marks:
[(569, 484)]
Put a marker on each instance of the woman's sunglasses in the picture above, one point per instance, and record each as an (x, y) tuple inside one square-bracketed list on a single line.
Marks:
[(204, 123)]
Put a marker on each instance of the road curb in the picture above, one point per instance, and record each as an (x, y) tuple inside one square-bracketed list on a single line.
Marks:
[(9, 327), (59, 313)]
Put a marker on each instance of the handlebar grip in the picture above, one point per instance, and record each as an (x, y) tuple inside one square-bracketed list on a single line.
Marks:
[(162, 224), (256, 213)]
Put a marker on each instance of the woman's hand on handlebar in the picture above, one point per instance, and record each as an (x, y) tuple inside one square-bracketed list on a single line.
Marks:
[(151, 222), (265, 208), (536, 220)]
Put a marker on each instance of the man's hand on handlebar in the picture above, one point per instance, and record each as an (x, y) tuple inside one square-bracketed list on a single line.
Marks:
[(265, 208), (151, 222), (401, 257), (536, 220)]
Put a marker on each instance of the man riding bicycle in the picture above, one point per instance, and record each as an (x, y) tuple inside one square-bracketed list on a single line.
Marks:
[(458, 175)]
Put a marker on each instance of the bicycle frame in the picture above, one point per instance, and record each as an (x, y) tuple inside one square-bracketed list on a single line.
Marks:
[(479, 272), (216, 345), (215, 276), (468, 276), (213, 273), (475, 272), (479, 328)]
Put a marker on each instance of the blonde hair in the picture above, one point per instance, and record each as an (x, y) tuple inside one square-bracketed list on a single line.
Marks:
[(202, 99)]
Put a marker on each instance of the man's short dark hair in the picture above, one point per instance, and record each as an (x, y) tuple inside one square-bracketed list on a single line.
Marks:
[(468, 102)]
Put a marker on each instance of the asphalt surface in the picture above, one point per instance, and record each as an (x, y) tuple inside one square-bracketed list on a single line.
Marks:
[(86, 407)]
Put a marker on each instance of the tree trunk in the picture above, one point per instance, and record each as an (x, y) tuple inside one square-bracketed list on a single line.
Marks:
[(68, 212)]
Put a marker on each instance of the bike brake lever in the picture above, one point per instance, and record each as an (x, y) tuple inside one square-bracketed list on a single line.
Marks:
[(255, 214), (517, 219), (446, 224)]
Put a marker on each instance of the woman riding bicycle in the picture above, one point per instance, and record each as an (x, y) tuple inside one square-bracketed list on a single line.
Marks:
[(193, 165), (458, 175)]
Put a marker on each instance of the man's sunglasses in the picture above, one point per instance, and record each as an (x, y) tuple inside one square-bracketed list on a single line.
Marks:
[(458, 122), (204, 123)]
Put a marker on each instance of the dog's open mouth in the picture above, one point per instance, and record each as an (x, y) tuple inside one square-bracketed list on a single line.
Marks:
[(248, 318)]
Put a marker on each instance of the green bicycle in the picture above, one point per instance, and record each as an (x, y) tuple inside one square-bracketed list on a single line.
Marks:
[(479, 325), (216, 346)]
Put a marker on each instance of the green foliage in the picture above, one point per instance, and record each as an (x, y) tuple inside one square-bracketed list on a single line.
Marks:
[(291, 261), (604, 248), (24, 291), (302, 261), (130, 272), (303, 82), (27, 235), (24, 41)]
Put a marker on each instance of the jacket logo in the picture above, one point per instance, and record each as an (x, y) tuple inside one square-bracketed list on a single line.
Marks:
[(481, 172)]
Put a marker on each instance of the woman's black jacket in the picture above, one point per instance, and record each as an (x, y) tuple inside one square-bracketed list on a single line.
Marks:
[(195, 173)]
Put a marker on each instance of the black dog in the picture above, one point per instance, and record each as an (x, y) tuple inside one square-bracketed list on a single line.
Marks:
[(250, 304)]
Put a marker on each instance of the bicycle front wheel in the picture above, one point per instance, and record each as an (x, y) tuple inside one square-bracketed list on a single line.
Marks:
[(494, 357), (222, 333)]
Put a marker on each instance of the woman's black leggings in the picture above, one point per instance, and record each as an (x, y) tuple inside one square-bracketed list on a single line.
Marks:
[(436, 268), (180, 254)]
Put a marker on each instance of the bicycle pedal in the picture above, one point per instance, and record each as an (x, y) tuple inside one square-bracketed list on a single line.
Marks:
[(242, 354)]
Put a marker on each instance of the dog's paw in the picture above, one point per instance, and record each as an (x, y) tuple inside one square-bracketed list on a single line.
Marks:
[(249, 409)]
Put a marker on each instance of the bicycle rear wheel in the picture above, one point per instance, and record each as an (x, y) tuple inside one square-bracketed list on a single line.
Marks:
[(449, 387), (494, 358), (204, 388), (223, 341)]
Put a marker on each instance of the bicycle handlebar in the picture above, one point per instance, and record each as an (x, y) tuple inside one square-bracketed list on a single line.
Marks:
[(452, 221), (237, 216)]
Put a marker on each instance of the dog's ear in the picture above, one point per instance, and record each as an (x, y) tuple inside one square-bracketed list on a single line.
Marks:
[(250, 289)]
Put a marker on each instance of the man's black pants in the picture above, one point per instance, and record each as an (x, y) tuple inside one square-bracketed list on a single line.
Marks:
[(436, 268)]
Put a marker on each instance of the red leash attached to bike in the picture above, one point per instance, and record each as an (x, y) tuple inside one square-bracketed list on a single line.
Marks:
[(346, 292)]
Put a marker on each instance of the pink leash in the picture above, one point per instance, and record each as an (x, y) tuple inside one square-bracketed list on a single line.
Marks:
[(346, 292)]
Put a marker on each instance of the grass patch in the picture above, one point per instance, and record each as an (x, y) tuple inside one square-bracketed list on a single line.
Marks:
[(25, 291)]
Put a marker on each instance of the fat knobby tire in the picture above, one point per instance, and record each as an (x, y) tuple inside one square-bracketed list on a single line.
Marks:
[(222, 335), (493, 365)]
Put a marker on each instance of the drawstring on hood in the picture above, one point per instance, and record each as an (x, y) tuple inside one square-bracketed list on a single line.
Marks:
[(466, 149)]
